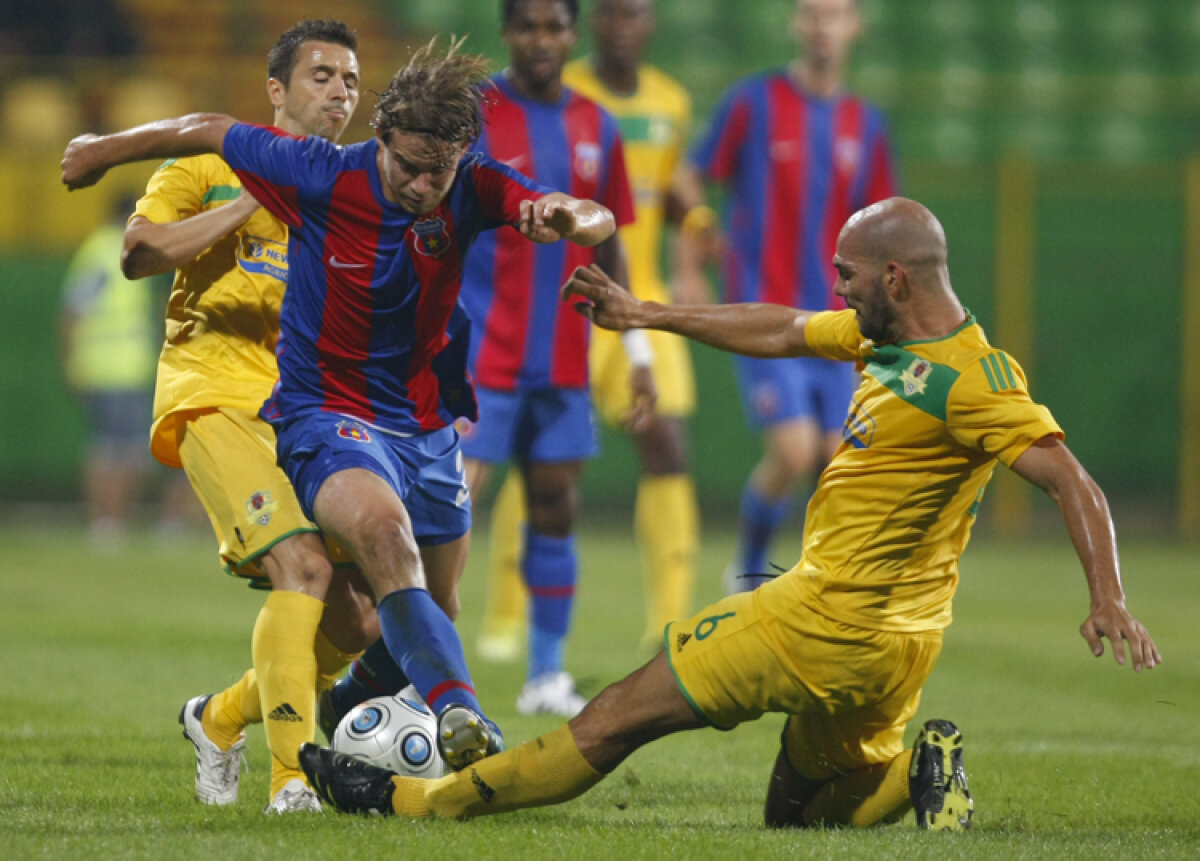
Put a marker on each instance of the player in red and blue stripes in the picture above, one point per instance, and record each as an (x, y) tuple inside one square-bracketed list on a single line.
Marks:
[(529, 352), (373, 344), (796, 154)]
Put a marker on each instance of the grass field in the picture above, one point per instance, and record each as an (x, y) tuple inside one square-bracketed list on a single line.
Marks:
[(1068, 756)]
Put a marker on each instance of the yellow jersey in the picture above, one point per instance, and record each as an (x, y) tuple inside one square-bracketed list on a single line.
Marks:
[(654, 122), (112, 340), (893, 511), (223, 313)]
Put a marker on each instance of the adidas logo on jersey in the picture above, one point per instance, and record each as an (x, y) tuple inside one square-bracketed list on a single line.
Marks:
[(284, 712)]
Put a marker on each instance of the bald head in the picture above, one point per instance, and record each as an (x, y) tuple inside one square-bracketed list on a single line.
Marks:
[(896, 229), (891, 264)]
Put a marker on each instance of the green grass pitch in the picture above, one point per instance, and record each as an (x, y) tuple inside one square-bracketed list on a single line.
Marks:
[(1068, 756)]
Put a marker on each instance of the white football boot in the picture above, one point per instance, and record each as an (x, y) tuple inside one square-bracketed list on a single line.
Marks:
[(551, 693), (217, 770), (296, 796)]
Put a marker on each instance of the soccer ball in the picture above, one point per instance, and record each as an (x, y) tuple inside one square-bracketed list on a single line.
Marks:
[(396, 733)]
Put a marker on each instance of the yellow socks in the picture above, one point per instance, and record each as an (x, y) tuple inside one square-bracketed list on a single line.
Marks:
[(229, 712), (548, 770), (331, 661), (504, 616), (868, 797), (666, 522), (282, 647)]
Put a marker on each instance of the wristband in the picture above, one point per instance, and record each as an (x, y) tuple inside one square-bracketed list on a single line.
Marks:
[(637, 348), (698, 219)]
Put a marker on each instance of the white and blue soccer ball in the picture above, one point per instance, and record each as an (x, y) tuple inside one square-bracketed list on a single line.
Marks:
[(397, 733)]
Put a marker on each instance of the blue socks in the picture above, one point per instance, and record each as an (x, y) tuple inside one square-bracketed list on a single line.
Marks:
[(374, 674), (551, 568), (421, 639), (760, 519)]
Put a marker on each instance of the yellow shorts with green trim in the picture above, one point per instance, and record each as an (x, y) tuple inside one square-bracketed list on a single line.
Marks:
[(229, 458), (609, 369), (849, 691)]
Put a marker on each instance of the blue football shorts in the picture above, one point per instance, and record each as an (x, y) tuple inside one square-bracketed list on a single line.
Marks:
[(539, 426), (425, 470), (780, 390), (117, 421)]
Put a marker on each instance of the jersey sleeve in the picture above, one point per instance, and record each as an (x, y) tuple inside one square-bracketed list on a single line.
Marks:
[(175, 191), (834, 335), (990, 410), (501, 190), (278, 168), (716, 153)]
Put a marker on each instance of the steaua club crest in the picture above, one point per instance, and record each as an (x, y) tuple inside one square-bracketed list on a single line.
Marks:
[(260, 506), (353, 430), (847, 152), (431, 237), (587, 160)]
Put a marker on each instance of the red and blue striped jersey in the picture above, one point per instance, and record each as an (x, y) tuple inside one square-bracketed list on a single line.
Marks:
[(795, 168), (524, 336), (371, 324)]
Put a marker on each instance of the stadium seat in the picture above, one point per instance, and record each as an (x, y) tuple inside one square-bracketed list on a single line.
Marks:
[(40, 112)]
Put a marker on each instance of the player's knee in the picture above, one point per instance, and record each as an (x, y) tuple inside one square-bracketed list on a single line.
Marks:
[(790, 463), (788, 794), (553, 513), (299, 564), (350, 620), (388, 554)]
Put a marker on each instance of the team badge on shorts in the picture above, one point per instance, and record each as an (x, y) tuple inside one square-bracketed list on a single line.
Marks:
[(465, 428), (260, 506), (353, 430), (766, 400), (431, 236)]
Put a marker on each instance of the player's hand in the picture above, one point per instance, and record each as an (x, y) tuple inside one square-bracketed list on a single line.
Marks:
[(547, 219), (643, 401), (81, 164), (1113, 621), (606, 303)]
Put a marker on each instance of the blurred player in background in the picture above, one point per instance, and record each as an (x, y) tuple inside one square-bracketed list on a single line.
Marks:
[(529, 359), (654, 113), (216, 370), (843, 643), (108, 341), (374, 343), (796, 154)]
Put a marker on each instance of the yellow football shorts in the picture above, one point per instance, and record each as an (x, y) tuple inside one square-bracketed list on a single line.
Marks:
[(609, 368), (229, 458), (849, 691)]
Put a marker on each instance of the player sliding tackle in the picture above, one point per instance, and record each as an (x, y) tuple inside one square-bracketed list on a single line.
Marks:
[(844, 641), (373, 340)]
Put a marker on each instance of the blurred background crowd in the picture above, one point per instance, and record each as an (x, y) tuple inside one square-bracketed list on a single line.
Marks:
[(1055, 139)]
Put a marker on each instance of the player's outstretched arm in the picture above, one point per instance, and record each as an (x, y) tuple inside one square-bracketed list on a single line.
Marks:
[(152, 248), (559, 216), (1050, 465), (88, 157), (759, 330)]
